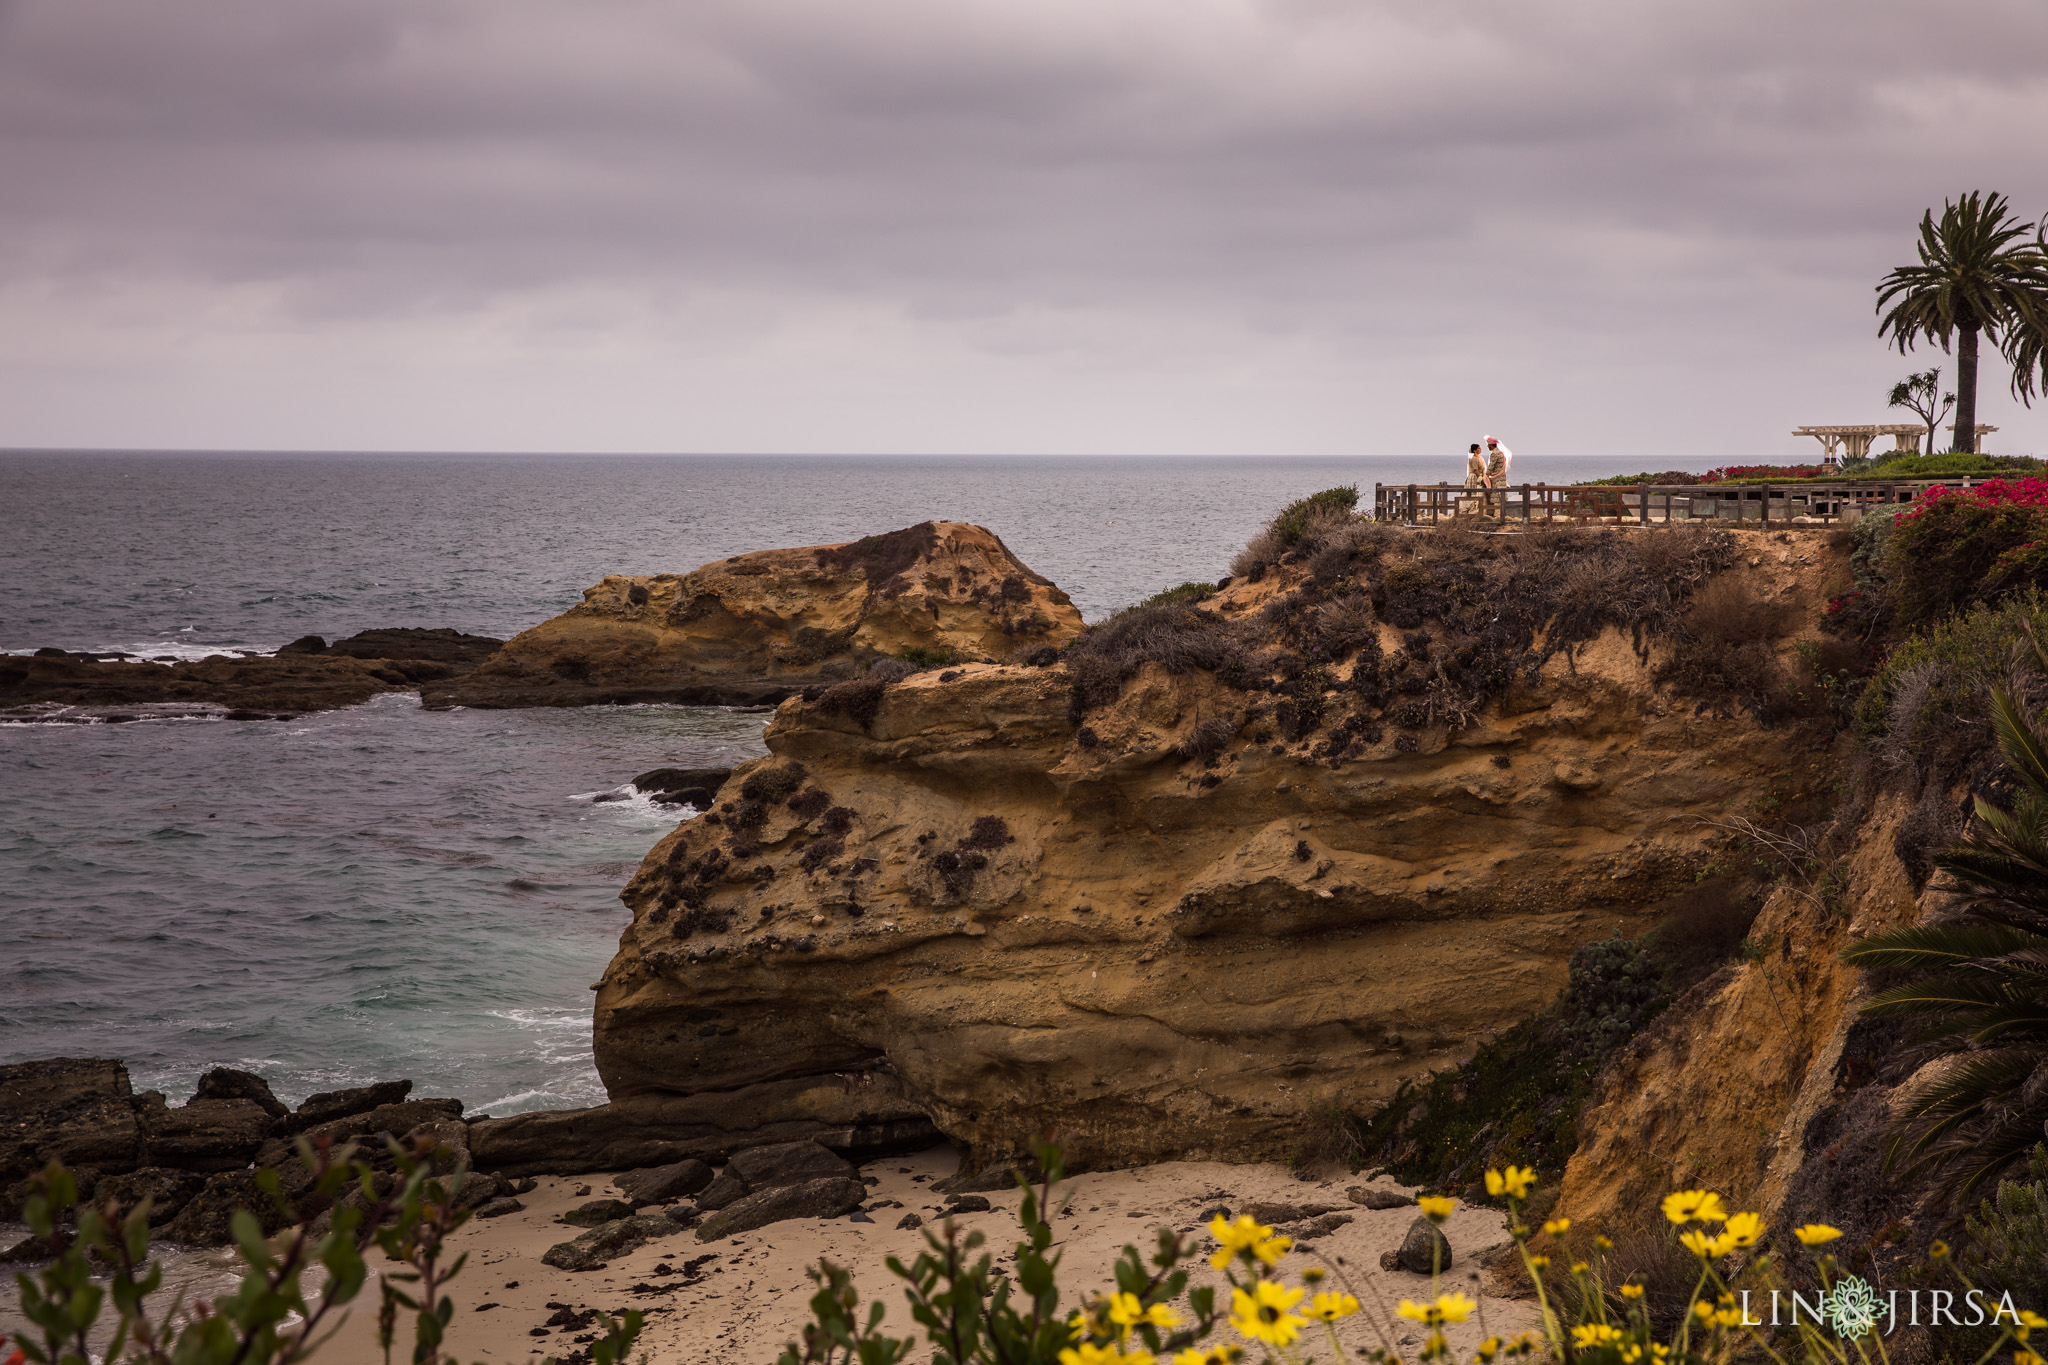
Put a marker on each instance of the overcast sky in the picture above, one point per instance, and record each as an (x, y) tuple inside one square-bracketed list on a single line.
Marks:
[(1214, 226)]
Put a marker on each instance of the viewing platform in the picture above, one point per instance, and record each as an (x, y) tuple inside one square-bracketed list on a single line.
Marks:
[(1788, 504)]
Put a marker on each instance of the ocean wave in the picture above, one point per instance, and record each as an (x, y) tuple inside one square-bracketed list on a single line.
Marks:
[(629, 800)]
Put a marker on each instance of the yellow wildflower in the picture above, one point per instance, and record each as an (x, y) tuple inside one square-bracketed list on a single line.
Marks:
[(1127, 1311), (1262, 1314), (1693, 1206), (1434, 1345), (1488, 1349), (1272, 1249), (1330, 1307), (1557, 1227), (1631, 1291), (1938, 1249), (1313, 1275), (1604, 1243), (2025, 1358), (1435, 1207), (1452, 1307), (1540, 1262), (1235, 1238), (1745, 1228), (1589, 1335), (1705, 1247), (2029, 1318), (1514, 1182), (1813, 1234), (1085, 1354), (1579, 1267)]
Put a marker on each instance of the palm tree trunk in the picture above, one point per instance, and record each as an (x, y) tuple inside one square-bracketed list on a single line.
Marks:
[(1966, 390)]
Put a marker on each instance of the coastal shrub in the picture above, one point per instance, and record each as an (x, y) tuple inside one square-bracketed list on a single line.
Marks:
[(883, 557), (1040, 656), (1614, 989), (2005, 1244), (858, 699), (820, 851), (773, 783), (1929, 703), (809, 803), (101, 1296), (838, 820), (1015, 589), (1208, 737), (1184, 594), (1669, 478), (1299, 527), (1948, 464), (988, 833), (1180, 638), (930, 656)]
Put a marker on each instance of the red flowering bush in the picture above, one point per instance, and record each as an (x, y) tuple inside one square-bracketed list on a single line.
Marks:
[(2031, 491), (1962, 546)]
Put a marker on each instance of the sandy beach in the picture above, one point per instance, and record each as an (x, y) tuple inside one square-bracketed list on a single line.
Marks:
[(742, 1298)]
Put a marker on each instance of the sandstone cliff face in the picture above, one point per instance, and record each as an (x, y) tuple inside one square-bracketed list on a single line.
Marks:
[(1144, 955), (758, 627), (1742, 1085)]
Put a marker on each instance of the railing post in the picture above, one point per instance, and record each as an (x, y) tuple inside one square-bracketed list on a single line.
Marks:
[(1411, 504), (1525, 504)]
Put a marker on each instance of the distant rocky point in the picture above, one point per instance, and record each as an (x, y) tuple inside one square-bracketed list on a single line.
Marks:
[(307, 675), (759, 627)]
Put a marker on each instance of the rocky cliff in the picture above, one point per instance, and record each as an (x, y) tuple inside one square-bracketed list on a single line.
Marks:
[(758, 627), (1321, 833)]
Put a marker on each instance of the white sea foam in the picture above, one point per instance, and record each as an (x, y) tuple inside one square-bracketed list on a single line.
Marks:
[(629, 800)]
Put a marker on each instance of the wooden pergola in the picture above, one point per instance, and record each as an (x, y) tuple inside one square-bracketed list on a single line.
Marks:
[(1853, 442)]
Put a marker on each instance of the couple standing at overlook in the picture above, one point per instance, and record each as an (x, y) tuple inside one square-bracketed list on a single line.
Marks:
[(1487, 471)]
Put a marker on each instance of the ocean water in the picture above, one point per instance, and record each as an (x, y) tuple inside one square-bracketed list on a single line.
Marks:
[(384, 891)]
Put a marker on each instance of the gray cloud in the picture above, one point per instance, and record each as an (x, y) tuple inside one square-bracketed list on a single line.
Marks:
[(948, 225)]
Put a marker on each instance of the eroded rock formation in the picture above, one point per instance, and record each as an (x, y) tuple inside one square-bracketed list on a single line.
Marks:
[(1169, 931), (757, 627)]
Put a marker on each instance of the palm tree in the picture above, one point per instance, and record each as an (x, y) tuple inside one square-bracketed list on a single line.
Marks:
[(2026, 346), (1977, 275), (1982, 981)]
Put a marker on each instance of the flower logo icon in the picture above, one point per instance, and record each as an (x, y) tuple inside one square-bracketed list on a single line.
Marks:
[(1853, 1308)]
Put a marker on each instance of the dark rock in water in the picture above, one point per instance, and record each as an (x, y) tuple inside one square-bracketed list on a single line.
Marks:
[(206, 1135), (727, 1189), (660, 1184), (226, 1083), (676, 786), (827, 1198), (597, 1213), (167, 1191), (205, 1220), (1415, 1253), (80, 1111), (599, 1245), (1379, 1199), (336, 1104), (656, 1129), (305, 644), (967, 1203), (787, 1163), (46, 652), (602, 797), (33, 1250), (499, 1207), (440, 646)]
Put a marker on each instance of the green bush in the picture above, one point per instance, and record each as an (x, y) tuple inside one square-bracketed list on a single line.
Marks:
[(268, 1318), (1297, 517), (1945, 675), (1185, 594), (1949, 464), (930, 656)]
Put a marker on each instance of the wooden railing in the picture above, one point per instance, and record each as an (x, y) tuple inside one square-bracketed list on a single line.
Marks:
[(1647, 504)]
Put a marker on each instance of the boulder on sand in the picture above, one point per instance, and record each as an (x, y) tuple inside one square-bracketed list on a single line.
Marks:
[(830, 1197), (1425, 1250), (600, 1244), (660, 1184)]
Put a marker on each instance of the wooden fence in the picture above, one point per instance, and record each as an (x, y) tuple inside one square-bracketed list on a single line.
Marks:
[(1647, 504)]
